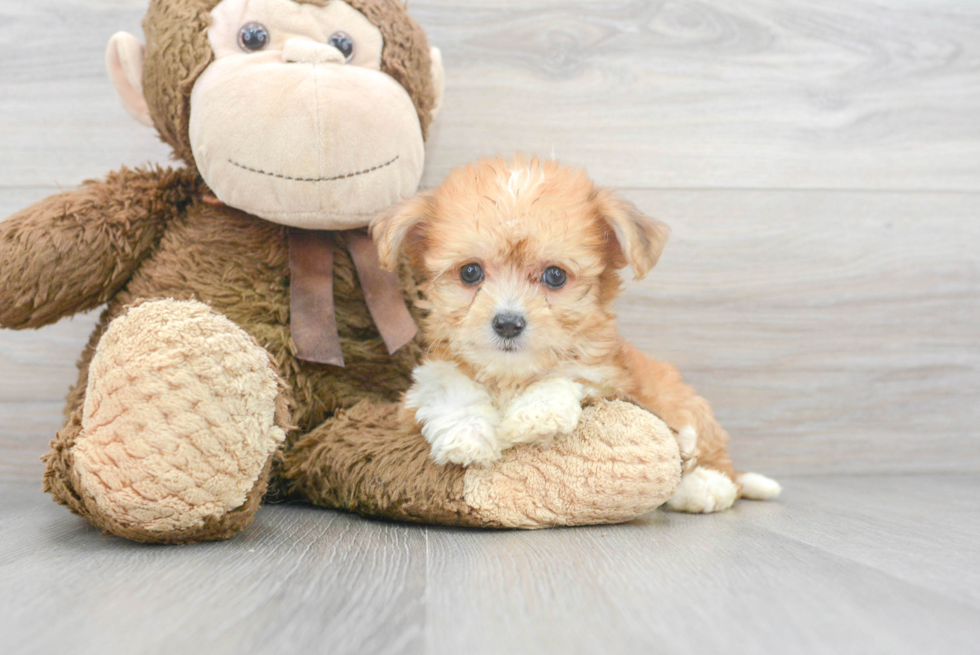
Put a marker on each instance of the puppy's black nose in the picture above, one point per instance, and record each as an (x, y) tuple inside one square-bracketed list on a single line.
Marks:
[(508, 325)]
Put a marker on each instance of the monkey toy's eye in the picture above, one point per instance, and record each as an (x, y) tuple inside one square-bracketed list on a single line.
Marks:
[(471, 274), (253, 37), (554, 277), (343, 42)]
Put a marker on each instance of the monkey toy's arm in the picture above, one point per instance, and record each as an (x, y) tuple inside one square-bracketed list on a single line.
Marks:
[(73, 251)]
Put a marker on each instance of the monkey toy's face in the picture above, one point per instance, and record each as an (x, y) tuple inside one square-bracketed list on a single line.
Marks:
[(295, 121)]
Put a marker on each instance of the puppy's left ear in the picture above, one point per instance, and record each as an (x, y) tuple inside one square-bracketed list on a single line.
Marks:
[(401, 228), (640, 238)]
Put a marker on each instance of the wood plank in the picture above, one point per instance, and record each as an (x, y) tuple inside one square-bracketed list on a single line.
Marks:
[(893, 524), (831, 331), (300, 580), (25, 430), (837, 566), (769, 93), (60, 121), (689, 584)]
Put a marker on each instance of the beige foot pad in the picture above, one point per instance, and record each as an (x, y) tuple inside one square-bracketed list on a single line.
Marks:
[(179, 421), (621, 463)]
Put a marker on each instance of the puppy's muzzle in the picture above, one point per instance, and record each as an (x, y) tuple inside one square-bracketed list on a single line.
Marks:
[(509, 326)]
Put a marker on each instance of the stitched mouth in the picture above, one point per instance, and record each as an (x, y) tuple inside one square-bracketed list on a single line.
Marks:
[(315, 179)]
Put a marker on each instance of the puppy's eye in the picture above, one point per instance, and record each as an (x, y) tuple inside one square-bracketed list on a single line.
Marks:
[(343, 42), (253, 37), (471, 274), (554, 277)]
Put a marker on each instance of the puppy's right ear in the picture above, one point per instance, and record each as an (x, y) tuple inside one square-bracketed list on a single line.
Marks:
[(400, 228)]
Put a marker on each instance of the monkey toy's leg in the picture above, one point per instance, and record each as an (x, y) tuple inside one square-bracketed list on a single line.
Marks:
[(620, 463), (174, 439)]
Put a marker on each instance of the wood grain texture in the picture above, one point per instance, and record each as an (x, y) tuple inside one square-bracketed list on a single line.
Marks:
[(764, 578), (841, 565), (832, 332), (300, 580), (767, 93)]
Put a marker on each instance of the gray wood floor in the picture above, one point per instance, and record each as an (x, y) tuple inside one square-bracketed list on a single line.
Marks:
[(843, 564), (819, 163)]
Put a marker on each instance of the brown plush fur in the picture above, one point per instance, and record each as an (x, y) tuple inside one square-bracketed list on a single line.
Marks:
[(367, 460), (234, 262), (147, 234), (94, 237)]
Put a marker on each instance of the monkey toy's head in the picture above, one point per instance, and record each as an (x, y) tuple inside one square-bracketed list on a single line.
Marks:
[(308, 113)]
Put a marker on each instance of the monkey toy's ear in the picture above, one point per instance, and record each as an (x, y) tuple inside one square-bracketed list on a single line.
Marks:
[(124, 59), (438, 80)]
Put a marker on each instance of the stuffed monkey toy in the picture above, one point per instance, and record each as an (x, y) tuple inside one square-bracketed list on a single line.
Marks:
[(250, 342)]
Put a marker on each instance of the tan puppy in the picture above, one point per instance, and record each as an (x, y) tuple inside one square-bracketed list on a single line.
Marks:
[(519, 264)]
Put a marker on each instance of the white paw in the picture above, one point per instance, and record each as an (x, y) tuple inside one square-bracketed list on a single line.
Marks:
[(465, 439), (456, 413), (703, 491), (758, 487), (544, 414), (687, 441)]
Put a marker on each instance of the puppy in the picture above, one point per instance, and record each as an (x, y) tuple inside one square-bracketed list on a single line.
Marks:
[(519, 265)]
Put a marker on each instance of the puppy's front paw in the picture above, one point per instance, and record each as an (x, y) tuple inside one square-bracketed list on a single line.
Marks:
[(465, 440), (703, 491), (543, 414), (687, 441)]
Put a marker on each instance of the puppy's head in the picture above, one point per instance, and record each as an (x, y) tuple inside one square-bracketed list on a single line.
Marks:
[(519, 260)]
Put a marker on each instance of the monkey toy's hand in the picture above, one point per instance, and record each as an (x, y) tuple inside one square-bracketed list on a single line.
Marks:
[(76, 250)]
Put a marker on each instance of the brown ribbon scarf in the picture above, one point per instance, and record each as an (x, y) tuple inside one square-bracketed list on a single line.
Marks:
[(312, 311)]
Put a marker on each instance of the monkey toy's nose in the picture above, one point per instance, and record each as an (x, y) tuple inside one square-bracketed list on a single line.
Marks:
[(508, 326), (305, 51)]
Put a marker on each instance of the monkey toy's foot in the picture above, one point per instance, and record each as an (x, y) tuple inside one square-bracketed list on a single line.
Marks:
[(183, 413)]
